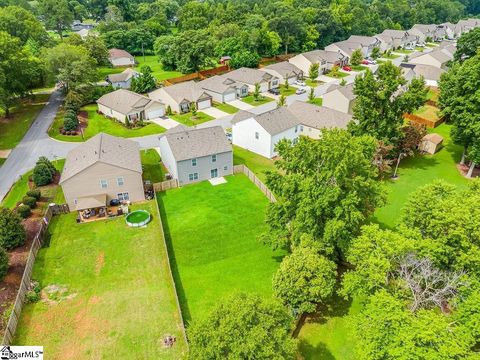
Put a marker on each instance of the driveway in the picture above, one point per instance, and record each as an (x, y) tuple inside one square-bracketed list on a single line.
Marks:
[(166, 123), (213, 111), (241, 105)]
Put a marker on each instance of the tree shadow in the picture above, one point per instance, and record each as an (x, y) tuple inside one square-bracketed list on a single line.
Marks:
[(314, 352)]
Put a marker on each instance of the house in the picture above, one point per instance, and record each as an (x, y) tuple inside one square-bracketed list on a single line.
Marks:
[(340, 98), (84, 33), (250, 77), (222, 89), (395, 39), (284, 70), (192, 155), (122, 104), (448, 31), (325, 59), (425, 33), (367, 43), (448, 48), (430, 73), (261, 133), (385, 42), (122, 80), (346, 48), (436, 58), (181, 96), (313, 119), (431, 143), (103, 168), (464, 26), (78, 25), (119, 57)]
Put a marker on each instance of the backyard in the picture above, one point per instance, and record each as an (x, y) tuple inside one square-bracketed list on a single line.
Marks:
[(106, 293), (258, 164), (212, 234), (98, 123), (153, 169), (189, 120)]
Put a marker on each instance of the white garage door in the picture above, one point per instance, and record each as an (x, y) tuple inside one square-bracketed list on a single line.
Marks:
[(152, 114), (229, 97), (204, 104)]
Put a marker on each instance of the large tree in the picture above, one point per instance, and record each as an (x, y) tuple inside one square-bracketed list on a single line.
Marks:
[(326, 188), (468, 45), (22, 24), (12, 232), (381, 101), (243, 327), (56, 14)]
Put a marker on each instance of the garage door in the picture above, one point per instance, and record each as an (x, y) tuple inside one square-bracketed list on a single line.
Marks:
[(229, 97), (204, 104), (152, 114)]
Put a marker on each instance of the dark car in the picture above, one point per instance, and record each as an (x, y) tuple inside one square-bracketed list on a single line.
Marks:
[(274, 91)]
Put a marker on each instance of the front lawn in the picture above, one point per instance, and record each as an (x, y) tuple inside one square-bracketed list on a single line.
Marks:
[(312, 83), (338, 75), (117, 300), (229, 109), (257, 163), (433, 94), (13, 128), (98, 123), (212, 234), (188, 119), (419, 48), (287, 92), (316, 101), (358, 67), (403, 51), (153, 169), (262, 100), (431, 45), (391, 56)]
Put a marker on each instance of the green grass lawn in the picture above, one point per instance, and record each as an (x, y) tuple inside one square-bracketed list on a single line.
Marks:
[(104, 71), (390, 57), (98, 123), (152, 166), (419, 48), (158, 71), (358, 67), (432, 94), (2, 161), (287, 92), (229, 109), (403, 51), (262, 100), (316, 101), (432, 45), (338, 75), (13, 128), (188, 120), (212, 232), (428, 112), (122, 299), (257, 163), (380, 61), (312, 83)]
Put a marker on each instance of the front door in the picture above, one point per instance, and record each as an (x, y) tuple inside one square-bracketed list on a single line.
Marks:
[(214, 173)]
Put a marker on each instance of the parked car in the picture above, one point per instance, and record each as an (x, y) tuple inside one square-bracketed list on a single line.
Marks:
[(300, 91), (274, 91), (372, 62), (300, 83), (366, 62), (229, 136), (346, 68)]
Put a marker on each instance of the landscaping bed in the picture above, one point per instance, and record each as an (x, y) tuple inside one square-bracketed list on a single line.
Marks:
[(189, 120)]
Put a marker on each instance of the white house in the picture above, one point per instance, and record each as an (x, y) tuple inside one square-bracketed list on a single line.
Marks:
[(222, 89), (250, 77), (193, 155), (119, 57), (122, 80), (180, 96), (284, 70), (121, 104), (260, 133), (340, 98)]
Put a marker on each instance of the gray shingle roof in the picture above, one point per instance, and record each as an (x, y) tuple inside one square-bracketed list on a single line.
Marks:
[(102, 148), (118, 53), (319, 117), (249, 76), (346, 90), (395, 34), (125, 75), (428, 72), (125, 101), (318, 55), (274, 121), (219, 84), (187, 143), (363, 40), (284, 68), (189, 90)]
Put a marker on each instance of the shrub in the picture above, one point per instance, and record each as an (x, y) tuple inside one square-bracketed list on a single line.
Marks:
[(35, 193), (3, 263), (33, 295), (42, 175), (44, 160), (29, 201), (12, 232), (70, 123), (24, 211)]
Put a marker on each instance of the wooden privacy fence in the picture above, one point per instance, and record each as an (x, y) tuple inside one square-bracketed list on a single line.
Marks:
[(25, 283), (420, 120), (253, 178), (200, 75), (165, 185)]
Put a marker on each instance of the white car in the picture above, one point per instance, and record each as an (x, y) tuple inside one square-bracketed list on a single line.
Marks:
[(300, 91), (300, 83), (372, 62)]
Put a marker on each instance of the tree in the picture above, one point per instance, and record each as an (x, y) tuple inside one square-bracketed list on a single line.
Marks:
[(3, 263), (286, 84), (145, 82), (468, 45), (243, 327), (375, 53), (357, 57), (326, 188), (304, 279), (379, 105), (23, 25), (57, 15), (412, 135), (42, 175), (97, 49), (282, 101), (12, 232), (70, 65), (244, 58), (256, 92), (193, 109), (313, 71)]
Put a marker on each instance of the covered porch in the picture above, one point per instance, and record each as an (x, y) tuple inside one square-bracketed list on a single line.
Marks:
[(92, 208)]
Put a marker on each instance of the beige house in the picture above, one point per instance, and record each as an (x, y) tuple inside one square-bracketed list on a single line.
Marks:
[(326, 60), (284, 70), (180, 96), (437, 58), (340, 98), (101, 169), (251, 77), (431, 143)]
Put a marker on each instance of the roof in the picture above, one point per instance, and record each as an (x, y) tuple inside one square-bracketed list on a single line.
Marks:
[(346, 90), (363, 40), (188, 90), (396, 34), (425, 28), (118, 53), (91, 202), (83, 32), (125, 101), (249, 76), (218, 84), (440, 56), (187, 143), (274, 121), (104, 148), (434, 138), (284, 68), (125, 75), (317, 55), (428, 72), (346, 46), (319, 117)]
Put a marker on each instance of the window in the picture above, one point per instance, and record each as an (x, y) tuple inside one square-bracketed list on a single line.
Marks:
[(103, 184), (123, 196), (257, 135), (301, 127), (296, 128), (214, 158), (193, 176), (244, 91), (75, 201), (120, 181), (225, 168), (194, 162)]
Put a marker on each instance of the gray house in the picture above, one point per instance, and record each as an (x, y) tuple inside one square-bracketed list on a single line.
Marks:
[(193, 155), (122, 80)]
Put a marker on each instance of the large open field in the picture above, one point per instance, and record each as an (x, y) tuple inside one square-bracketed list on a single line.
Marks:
[(118, 300), (212, 234)]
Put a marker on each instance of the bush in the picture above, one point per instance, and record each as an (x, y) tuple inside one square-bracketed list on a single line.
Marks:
[(42, 175), (70, 123), (12, 232), (3, 263), (37, 194), (33, 295), (29, 201), (44, 160), (24, 211)]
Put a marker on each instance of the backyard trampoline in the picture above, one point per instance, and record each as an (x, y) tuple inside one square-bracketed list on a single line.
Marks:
[(138, 218)]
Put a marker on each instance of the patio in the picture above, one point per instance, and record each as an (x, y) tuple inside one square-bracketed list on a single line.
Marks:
[(95, 208)]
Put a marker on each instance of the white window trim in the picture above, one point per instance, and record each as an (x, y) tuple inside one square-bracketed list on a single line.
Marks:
[(120, 181), (194, 162), (214, 158), (101, 184)]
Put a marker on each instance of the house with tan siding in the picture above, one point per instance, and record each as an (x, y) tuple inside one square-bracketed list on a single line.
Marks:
[(340, 98)]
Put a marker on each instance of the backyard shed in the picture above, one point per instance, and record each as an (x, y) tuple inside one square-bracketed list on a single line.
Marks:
[(431, 143)]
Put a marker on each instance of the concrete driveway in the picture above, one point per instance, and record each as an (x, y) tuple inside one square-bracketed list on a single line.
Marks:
[(166, 123), (213, 111), (241, 105)]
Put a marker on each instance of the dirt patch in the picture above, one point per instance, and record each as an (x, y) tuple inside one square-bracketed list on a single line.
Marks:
[(4, 153), (99, 263), (54, 294), (463, 169)]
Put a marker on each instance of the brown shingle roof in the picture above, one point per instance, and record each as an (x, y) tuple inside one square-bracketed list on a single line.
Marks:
[(319, 117), (434, 138), (118, 53)]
